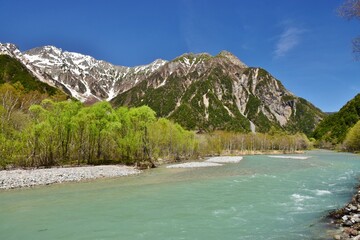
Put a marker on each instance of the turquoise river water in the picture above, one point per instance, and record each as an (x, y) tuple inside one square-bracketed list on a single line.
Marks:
[(258, 198)]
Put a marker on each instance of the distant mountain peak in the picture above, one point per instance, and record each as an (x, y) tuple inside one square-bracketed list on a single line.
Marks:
[(235, 60), (44, 50), (192, 57), (198, 57)]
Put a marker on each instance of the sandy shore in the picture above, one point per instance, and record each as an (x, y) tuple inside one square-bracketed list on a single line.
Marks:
[(28, 178)]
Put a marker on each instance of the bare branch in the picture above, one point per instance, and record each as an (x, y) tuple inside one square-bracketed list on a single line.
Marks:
[(350, 9)]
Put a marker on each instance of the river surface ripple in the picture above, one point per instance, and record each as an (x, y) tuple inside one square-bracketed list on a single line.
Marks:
[(258, 198)]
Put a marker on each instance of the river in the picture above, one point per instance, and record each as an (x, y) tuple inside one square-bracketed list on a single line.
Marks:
[(258, 198)]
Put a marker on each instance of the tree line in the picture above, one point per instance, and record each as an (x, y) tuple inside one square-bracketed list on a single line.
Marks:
[(221, 142), (38, 131)]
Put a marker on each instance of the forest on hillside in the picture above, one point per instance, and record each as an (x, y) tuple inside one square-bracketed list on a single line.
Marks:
[(336, 131)]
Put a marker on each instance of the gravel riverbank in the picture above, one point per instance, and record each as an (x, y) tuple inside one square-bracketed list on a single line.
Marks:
[(194, 165), (211, 162), (29, 178), (347, 219)]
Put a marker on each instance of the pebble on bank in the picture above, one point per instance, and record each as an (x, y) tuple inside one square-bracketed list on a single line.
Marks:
[(348, 219), (29, 178)]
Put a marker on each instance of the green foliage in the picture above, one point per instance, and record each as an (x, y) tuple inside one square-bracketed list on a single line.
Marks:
[(186, 116), (252, 106), (335, 126), (133, 134), (162, 100), (11, 149), (57, 133), (171, 140), (51, 131), (287, 98), (352, 140)]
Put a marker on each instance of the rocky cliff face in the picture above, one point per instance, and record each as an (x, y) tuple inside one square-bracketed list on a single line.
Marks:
[(199, 91)]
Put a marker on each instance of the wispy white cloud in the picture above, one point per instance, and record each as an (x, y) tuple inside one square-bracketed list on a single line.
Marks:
[(289, 39)]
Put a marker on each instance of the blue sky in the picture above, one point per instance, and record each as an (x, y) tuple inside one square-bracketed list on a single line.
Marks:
[(303, 43)]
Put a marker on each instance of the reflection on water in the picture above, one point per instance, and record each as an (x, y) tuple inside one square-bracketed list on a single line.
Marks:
[(258, 198)]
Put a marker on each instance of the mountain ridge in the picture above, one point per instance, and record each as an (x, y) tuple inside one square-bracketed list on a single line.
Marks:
[(199, 91), (85, 77)]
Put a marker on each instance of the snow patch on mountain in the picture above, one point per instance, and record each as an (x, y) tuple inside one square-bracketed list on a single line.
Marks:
[(86, 77), (83, 76)]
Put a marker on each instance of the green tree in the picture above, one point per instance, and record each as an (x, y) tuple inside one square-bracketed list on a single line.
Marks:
[(41, 135), (98, 118), (140, 118), (52, 131), (9, 101), (352, 140), (170, 140)]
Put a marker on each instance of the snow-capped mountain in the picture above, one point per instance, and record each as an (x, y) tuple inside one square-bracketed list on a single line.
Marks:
[(199, 91), (86, 78)]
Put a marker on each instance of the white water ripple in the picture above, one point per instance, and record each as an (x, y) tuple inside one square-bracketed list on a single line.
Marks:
[(300, 198), (322, 192)]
